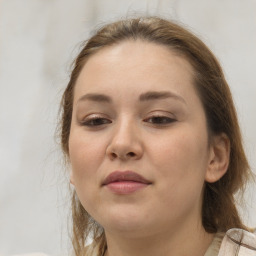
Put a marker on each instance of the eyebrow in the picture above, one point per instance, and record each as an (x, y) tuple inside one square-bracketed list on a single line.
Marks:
[(148, 96), (157, 95), (96, 97)]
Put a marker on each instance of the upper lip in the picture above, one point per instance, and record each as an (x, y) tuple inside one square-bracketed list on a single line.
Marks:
[(125, 176)]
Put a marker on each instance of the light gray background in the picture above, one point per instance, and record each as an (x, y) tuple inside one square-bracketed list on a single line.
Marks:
[(38, 39)]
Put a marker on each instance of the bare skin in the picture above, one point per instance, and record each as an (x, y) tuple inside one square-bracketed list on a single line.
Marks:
[(151, 121)]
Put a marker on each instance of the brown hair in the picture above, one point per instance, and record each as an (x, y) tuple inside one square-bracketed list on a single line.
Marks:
[(219, 212)]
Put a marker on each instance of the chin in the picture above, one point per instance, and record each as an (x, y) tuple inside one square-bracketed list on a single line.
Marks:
[(126, 221)]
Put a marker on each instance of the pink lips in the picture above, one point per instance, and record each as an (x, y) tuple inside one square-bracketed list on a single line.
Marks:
[(125, 182)]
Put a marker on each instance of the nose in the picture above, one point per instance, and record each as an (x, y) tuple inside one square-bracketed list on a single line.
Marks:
[(125, 143)]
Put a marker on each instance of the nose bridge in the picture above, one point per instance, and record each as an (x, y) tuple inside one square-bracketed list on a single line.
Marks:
[(125, 141), (125, 130)]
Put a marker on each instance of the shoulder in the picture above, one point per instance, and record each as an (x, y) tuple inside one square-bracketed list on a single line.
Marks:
[(238, 242), (234, 242), (214, 248)]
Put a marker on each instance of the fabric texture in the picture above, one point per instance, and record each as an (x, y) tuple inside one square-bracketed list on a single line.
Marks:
[(214, 247), (235, 242), (238, 242)]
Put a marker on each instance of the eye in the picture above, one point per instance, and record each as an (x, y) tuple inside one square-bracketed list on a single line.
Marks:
[(95, 121), (160, 120)]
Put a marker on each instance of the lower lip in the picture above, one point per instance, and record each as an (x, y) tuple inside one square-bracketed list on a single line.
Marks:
[(125, 187)]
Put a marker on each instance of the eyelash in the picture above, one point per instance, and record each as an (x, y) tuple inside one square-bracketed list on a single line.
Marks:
[(93, 122), (167, 120)]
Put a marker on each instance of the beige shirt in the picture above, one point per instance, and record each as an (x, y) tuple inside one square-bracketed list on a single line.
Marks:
[(235, 242), (214, 247)]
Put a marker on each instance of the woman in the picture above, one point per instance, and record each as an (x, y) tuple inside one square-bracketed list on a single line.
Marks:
[(150, 130)]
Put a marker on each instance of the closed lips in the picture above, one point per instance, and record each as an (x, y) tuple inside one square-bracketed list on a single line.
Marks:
[(119, 176)]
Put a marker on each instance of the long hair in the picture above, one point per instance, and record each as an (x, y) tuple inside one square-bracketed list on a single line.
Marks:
[(219, 212)]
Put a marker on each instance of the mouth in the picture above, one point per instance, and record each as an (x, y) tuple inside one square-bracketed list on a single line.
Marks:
[(125, 182)]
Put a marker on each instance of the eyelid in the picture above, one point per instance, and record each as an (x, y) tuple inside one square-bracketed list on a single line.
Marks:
[(161, 116), (170, 119), (95, 115), (161, 113), (91, 117)]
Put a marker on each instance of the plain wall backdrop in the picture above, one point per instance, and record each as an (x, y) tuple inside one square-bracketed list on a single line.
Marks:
[(38, 40)]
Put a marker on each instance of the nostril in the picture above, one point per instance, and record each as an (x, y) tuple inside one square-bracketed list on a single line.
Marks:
[(113, 155), (131, 154)]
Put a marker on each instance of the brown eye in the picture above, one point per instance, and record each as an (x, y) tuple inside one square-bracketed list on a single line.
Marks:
[(96, 121), (160, 120)]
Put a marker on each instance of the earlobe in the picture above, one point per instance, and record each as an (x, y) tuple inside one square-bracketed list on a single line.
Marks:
[(219, 158)]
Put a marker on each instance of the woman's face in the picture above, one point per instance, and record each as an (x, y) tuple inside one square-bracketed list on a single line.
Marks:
[(136, 112)]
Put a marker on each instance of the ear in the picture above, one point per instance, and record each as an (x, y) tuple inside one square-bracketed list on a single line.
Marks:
[(218, 158)]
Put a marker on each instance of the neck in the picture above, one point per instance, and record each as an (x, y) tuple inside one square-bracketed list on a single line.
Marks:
[(192, 241)]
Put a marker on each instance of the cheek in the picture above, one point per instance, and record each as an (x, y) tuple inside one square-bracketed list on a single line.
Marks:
[(183, 147), (181, 169), (181, 161), (86, 154), (86, 157)]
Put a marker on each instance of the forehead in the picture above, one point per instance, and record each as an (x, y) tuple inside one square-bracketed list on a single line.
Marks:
[(135, 66)]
